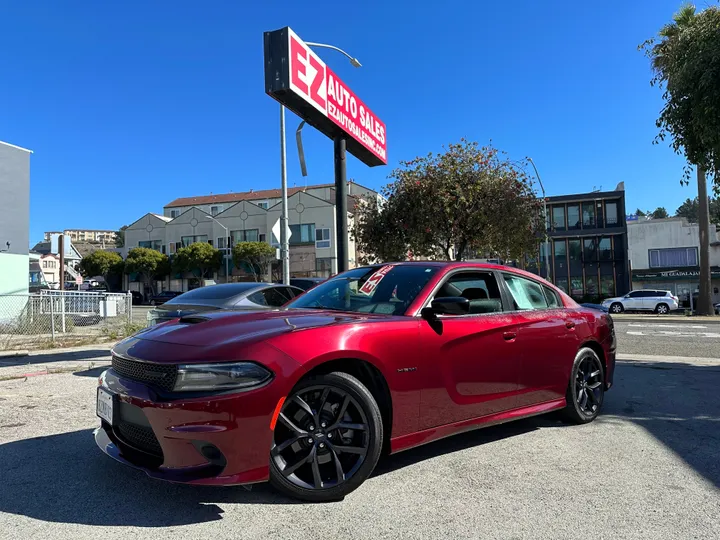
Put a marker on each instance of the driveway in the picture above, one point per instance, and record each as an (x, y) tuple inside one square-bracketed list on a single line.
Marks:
[(647, 468)]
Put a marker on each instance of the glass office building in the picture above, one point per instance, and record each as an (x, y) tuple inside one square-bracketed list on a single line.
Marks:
[(587, 247)]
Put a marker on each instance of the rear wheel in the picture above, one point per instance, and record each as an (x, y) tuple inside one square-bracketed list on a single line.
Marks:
[(586, 389), (327, 439), (617, 307), (662, 309)]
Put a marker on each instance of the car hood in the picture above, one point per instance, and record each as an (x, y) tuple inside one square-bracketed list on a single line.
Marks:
[(616, 299), (223, 327)]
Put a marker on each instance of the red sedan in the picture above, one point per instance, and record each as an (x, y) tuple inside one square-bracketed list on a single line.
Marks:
[(380, 358)]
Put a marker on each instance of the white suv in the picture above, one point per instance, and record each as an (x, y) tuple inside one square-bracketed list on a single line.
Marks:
[(661, 302)]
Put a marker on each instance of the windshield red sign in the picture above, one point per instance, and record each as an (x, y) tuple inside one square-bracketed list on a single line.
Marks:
[(309, 79)]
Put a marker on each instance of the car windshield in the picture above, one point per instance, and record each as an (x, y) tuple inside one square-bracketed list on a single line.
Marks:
[(388, 290)]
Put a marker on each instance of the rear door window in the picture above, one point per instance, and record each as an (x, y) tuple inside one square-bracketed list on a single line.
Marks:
[(526, 294), (275, 298)]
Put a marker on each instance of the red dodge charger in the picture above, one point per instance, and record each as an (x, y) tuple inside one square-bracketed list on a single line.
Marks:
[(379, 358)]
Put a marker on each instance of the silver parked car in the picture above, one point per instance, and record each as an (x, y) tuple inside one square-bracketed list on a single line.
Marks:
[(230, 296), (661, 302)]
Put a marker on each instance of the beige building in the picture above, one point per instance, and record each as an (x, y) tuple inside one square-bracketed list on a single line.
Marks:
[(86, 235), (225, 220), (50, 267)]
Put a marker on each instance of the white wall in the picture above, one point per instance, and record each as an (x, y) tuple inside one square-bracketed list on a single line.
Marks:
[(665, 233)]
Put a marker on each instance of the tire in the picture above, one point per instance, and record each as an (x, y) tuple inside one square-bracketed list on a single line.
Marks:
[(581, 410), (294, 441), (662, 309), (616, 308)]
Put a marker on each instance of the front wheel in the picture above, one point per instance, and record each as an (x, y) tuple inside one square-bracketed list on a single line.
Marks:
[(617, 307), (327, 439), (586, 389)]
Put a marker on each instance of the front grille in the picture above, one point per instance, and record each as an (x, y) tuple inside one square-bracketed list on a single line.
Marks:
[(160, 375), (139, 437)]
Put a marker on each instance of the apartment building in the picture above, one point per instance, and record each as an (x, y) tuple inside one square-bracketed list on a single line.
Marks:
[(587, 251), (226, 219), (85, 235)]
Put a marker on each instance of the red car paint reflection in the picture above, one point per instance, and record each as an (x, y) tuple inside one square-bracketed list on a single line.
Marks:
[(423, 350)]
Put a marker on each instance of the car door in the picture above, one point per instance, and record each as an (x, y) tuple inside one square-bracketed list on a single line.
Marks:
[(546, 340), (652, 298), (475, 363), (634, 300)]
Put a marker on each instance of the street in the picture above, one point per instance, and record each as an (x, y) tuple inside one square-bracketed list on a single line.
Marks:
[(646, 468)]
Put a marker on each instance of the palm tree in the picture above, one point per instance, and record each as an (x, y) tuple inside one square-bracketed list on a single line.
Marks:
[(664, 58)]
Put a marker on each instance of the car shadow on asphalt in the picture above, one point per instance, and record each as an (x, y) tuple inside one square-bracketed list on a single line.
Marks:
[(92, 372), (677, 404), (50, 357)]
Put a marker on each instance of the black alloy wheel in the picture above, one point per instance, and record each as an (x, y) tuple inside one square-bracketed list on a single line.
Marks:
[(586, 390), (327, 438)]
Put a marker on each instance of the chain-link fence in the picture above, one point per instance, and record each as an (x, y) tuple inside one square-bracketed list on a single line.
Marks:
[(33, 320)]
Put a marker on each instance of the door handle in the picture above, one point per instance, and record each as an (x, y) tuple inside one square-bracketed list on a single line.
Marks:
[(569, 325), (509, 336)]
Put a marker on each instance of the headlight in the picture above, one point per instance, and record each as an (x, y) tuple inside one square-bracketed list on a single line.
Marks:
[(221, 376)]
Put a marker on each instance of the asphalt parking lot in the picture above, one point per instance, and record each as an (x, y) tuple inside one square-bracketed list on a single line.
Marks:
[(649, 467)]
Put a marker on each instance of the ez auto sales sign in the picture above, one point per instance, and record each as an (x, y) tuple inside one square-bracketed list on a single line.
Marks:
[(297, 78)]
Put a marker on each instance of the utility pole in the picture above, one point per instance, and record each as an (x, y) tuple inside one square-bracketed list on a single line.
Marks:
[(61, 249), (704, 306), (284, 248), (341, 234)]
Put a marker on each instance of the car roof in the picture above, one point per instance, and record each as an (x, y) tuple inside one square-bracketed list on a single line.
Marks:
[(452, 265)]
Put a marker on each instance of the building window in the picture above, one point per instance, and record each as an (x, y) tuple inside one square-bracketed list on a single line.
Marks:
[(611, 214), (221, 242), (215, 210), (322, 238), (173, 248), (605, 248), (573, 216), (45, 265), (247, 235), (590, 252), (302, 234), (263, 204), (558, 218), (663, 258), (323, 265), (187, 240), (262, 237), (174, 213), (607, 286), (151, 244), (588, 215)]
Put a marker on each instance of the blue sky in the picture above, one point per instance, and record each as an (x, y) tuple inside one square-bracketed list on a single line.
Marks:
[(129, 105)]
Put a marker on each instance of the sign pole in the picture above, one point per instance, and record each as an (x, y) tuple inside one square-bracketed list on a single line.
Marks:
[(341, 204), (284, 255)]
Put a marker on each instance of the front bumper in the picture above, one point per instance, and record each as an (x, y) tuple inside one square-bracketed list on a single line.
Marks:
[(223, 439)]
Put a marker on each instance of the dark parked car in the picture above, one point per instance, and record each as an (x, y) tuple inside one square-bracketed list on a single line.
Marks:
[(305, 283), (236, 296), (161, 298), (137, 298), (385, 357), (599, 307)]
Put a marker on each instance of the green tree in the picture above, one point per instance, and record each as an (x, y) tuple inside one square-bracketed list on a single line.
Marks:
[(468, 198), (120, 237), (254, 257), (101, 263), (690, 210), (685, 58), (640, 213), (151, 265), (659, 213), (199, 259)]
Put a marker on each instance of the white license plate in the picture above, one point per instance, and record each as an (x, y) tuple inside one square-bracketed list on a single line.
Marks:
[(105, 405)]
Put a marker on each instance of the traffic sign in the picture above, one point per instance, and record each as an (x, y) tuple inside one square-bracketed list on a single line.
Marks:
[(276, 232)]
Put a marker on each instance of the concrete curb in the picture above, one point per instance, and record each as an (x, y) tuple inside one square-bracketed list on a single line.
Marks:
[(13, 354)]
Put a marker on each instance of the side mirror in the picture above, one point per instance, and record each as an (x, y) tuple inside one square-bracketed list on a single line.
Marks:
[(449, 305)]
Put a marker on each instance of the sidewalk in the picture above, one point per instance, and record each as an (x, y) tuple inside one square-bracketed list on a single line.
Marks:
[(644, 317), (71, 359)]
